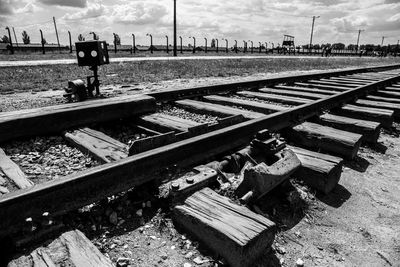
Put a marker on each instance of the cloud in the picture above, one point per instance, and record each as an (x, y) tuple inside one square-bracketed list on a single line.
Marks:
[(30, 7), (139, 13), (92, 11), (68, 3), (6, 7)]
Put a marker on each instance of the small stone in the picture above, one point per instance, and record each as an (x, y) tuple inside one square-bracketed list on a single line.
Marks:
[(153, 237), (93, 227), (183, 237), (281, 261), (144, 205), (113, 218), (4, 190), (126, 246), (113, 246), (122, 261), (280, 250), (121, 222), (299, 262), (148, 204), (139, 212), (173, 247), (189, 255), (164, 256), (186, 264), (198, 260)]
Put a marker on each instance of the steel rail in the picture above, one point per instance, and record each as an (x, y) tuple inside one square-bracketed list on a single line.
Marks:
[(175, 94), (74, 191)]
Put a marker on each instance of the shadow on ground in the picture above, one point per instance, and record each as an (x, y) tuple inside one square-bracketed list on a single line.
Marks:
[(336, 197), (358, 164)]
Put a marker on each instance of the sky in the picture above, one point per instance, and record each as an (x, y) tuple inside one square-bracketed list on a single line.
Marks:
[(256, 20)]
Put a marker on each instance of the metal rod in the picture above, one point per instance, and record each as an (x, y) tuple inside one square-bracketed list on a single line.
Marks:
[(70, 42), (42, 42), (11, 44), (166, 36), (312, 30), (134, 43), (15, 36), (180, 37), (175, 48), (55, 27)]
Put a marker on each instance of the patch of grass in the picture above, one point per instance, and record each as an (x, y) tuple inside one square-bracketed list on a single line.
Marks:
[(54, 77)]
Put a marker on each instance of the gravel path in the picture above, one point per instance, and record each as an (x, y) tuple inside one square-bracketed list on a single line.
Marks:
[(47, 158), (184, 114)]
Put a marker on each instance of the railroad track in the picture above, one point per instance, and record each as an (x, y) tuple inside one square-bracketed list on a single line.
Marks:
[(331, 113)]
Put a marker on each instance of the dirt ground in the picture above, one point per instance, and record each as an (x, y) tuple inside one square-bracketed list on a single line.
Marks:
[(358, 224)]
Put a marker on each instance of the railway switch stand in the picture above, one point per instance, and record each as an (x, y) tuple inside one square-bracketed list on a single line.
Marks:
[(92, 54)]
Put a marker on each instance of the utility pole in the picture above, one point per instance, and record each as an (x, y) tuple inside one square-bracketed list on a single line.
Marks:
[(194, 44), (236, 49), (115, 43), (383, 39), (175, 29), (205, 49), (70, 42), (312, 30), (151, 42), (166, 36), (397, 48), (358, 39), (41, 40), (15, 36), (11, 44), (55, 27), (134, 43), (180, 37)]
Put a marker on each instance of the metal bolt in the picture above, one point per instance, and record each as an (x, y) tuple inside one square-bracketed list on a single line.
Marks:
[(46, 219), (29, 226), (175, 186), (189, 180)]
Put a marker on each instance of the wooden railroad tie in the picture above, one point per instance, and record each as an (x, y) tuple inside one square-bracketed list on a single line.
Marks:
[(230, 230)]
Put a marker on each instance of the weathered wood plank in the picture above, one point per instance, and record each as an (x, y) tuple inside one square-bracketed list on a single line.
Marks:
[(323, 86), (166, 123), (252, 105), (306, 89), (348, 80), (348, 85), (99, 145), (219, 110), (392, 89), (56, 119), (368, 129), (383, 99), (384, 116), (320, 171), (232, 231), (315, 136), (13, 171), (292, 93), (380, 105), (276, 98), (70, 249), (386, 93)]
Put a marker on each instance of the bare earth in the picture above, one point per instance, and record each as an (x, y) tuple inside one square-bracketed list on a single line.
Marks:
[(358, 224)]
